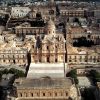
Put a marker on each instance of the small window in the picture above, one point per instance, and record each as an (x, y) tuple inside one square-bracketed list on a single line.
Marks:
[(66, 94), (40, 60), (3, 60), (32, 94), (20, 94), (75, 60), (56, 60), (47, 47), (14, 61), (43, 94), (55, 94), (48, 59)]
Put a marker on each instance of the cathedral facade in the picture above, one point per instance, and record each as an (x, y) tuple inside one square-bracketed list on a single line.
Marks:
[(50, 48), (48, 53)]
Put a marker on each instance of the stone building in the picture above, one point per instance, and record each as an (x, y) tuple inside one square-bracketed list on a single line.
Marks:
[(19, 12), (48, 50), (70, 11), (97, 13), (82, 58), (43, 11), (74, 32), (13, 56), (45, 89), (27, 28)]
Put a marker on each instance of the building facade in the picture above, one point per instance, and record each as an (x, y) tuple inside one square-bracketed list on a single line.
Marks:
[(45, 89), (48, 50), (19, 12), (13, 56)]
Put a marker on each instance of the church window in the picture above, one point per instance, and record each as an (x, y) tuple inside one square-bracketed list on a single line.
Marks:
[(3, 60), (56, 94), (66, 94), (48, 60), (20, 94), (32, 94), (56, 60), (47, 47), (40, 60), (43, 94), (14, 61)]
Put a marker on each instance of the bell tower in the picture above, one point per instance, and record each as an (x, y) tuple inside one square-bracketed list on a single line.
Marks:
[(50, 28)]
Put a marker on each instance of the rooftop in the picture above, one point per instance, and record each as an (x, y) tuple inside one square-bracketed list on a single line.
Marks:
[(82, 50), (45, 82)]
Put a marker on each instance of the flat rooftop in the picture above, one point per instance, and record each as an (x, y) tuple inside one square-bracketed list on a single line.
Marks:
[(38, 70), (82, 50), (45, 82)]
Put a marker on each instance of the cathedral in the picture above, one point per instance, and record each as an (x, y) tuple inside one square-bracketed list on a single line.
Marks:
[(49, 48), (48, 53)]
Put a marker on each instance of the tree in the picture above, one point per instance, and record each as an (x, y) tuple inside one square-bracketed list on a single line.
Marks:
[(95, 75), (89, 94), (82, 41), (5, 71), (19, 73), (12, 71), (73, 74)]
